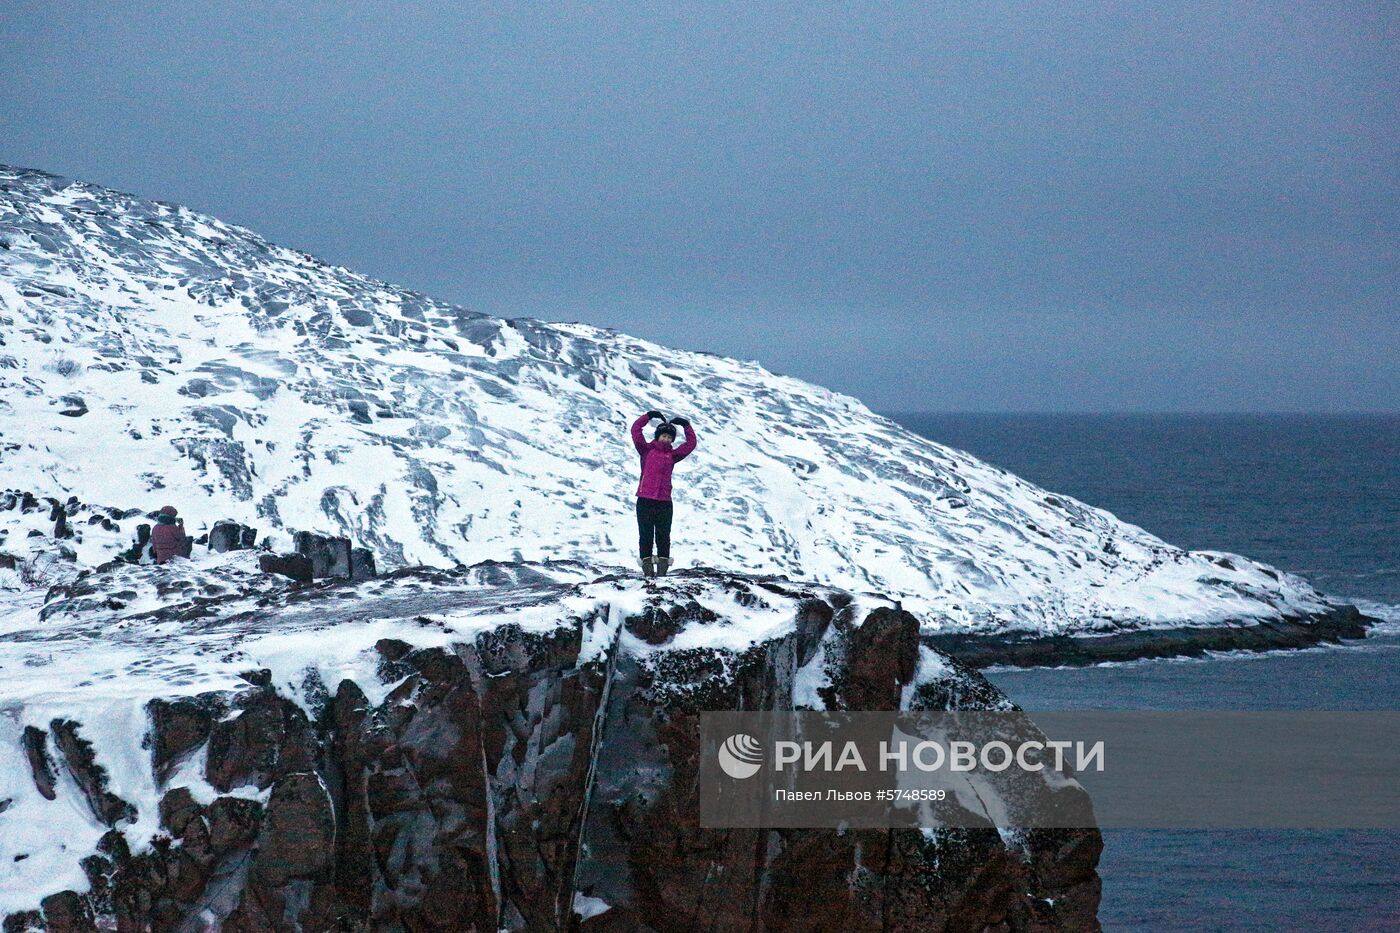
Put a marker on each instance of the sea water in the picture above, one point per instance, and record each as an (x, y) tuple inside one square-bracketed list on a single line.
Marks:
[(1317, 495)]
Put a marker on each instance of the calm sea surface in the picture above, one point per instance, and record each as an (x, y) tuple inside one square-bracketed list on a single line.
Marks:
[(1317, 495)]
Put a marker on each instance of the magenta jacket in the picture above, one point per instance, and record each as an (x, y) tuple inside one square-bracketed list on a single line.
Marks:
[(657, 460)]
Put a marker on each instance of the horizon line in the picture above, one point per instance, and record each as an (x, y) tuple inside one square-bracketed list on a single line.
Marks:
[(1143, 412)]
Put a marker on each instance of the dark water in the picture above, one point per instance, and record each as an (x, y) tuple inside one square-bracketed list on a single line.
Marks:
[(1315, 495), (1319, 495)]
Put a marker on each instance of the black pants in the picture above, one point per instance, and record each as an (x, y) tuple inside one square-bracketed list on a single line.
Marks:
[(654, 523)]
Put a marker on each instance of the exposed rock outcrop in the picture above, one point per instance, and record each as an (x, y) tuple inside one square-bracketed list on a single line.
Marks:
[(361, 564), (292, 566), (231, 536), (35, 744), (89, 775), (1020, 649), (329, 555), (538, 771)]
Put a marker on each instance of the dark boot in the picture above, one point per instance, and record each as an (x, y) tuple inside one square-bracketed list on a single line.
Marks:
[(663, 564), (649, 566)]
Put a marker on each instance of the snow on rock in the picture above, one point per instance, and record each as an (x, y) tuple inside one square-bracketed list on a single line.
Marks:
[(502, 746), (150, 355)]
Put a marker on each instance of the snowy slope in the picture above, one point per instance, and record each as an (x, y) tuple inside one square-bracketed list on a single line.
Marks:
[(203, 367)]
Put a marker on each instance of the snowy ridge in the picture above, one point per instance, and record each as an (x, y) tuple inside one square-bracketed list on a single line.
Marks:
[(153, 355)]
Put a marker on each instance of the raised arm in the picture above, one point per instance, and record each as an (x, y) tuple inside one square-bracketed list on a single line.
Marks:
[(685, 449), (638, 438)]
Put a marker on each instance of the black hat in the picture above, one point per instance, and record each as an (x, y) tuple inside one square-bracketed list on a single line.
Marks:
[(666, 428)]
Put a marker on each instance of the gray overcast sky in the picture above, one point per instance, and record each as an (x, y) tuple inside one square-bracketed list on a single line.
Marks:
[(1031, 206)]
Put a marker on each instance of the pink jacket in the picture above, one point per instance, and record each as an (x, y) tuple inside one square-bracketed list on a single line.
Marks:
[(657, 461)]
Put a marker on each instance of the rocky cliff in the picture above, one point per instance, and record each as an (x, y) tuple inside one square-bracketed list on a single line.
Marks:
[(505, 746)]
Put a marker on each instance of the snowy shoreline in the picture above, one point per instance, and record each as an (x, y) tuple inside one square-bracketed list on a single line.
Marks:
[(989, 649)]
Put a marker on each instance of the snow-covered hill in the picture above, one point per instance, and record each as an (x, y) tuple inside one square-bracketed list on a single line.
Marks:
[(152, 355)]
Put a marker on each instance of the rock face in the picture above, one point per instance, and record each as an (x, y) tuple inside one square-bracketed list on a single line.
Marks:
[(35, 744), (535, 769)]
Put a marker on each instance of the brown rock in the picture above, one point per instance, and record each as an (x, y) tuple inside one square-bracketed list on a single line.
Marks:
[(178, 727), (177, 808), (295, 566), (90, 776), (23, 921), (67, 912), (269, 739), (233, 824), (290, 884), (883, 654), (36, 752)]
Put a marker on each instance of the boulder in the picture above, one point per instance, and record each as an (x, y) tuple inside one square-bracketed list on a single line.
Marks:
[(24, 921), (329, 556), (139, 544), (361, 563), (231, 536), (67, 912), (295, 566), (179, 727)]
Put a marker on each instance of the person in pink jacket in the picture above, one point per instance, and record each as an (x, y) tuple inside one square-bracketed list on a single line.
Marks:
[(654, 509)]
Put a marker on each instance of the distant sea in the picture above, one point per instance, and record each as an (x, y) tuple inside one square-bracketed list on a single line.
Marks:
[(1316, 495)]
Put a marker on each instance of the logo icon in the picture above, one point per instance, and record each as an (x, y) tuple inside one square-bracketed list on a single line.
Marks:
[(740, 756)]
